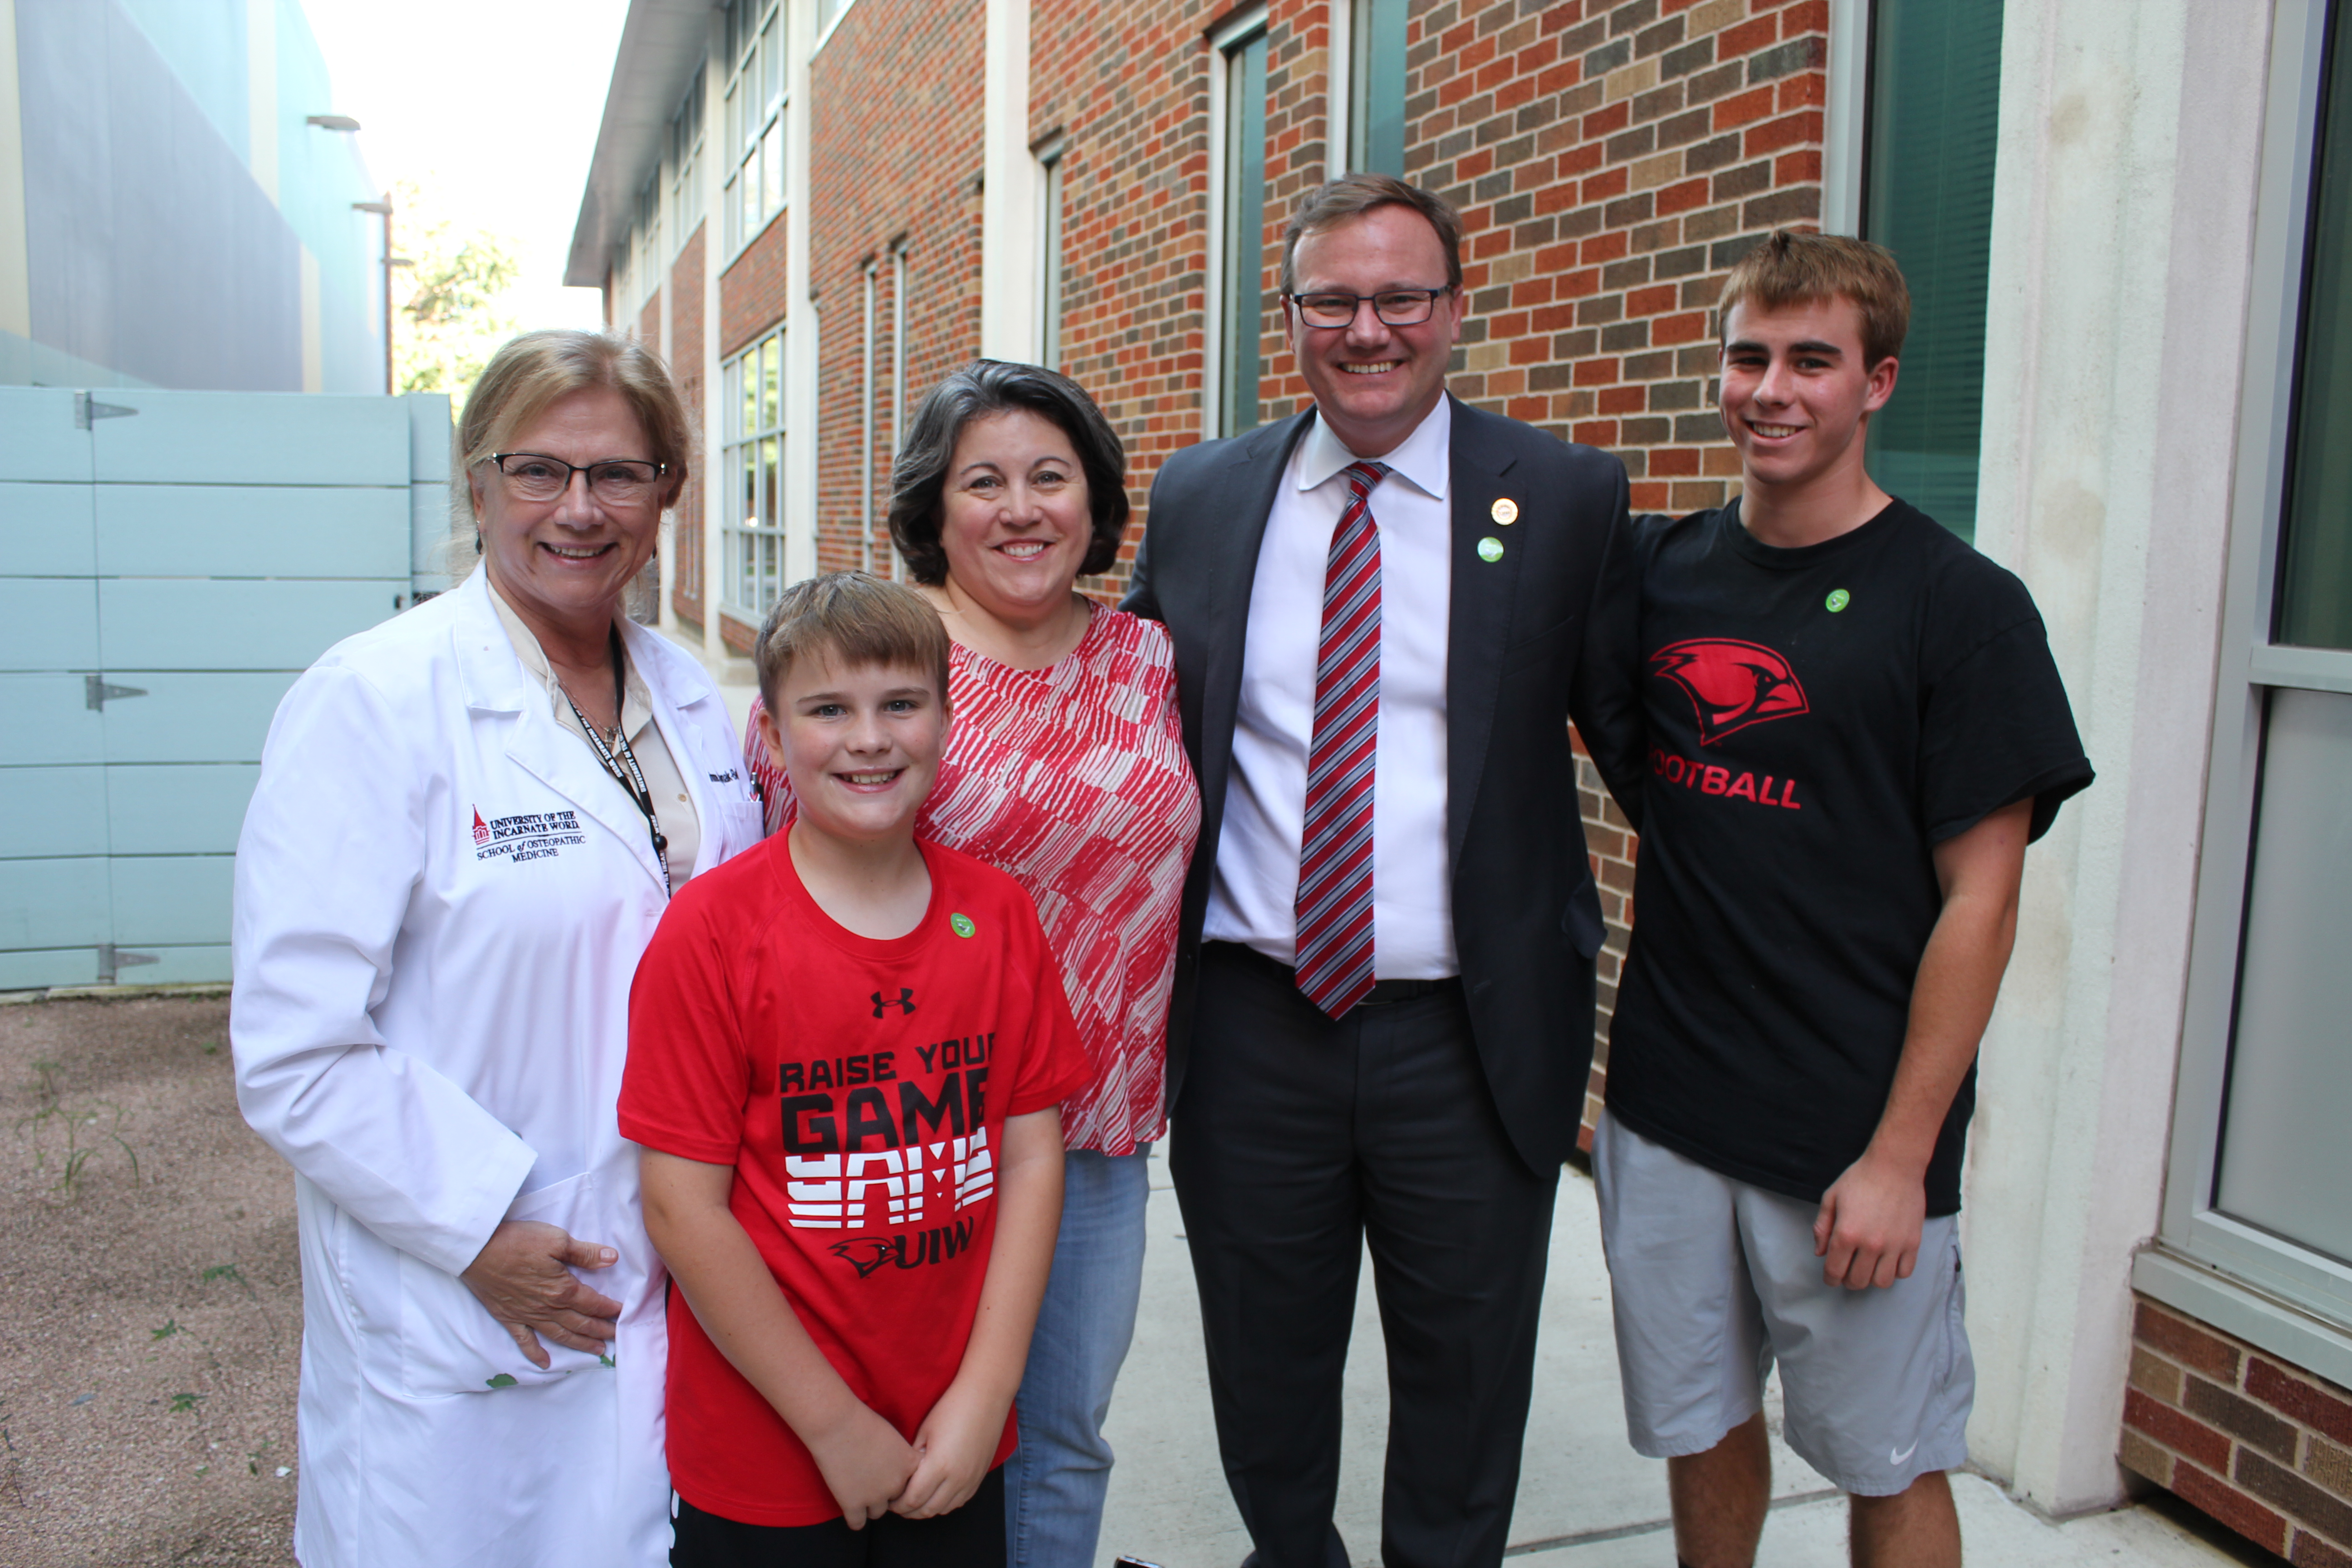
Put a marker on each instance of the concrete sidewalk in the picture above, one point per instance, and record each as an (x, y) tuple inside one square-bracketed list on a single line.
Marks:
[(1586, 1499)]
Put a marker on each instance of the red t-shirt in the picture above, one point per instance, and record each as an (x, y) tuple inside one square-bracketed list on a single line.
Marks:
[(859, 1089)]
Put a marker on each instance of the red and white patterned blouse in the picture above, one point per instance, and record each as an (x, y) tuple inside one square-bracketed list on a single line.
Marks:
[(1073, 779)]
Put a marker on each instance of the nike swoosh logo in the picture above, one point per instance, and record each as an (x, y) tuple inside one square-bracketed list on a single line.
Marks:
[(1895, 1458)]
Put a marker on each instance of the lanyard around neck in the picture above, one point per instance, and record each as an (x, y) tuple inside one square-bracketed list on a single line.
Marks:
[(623, 767)]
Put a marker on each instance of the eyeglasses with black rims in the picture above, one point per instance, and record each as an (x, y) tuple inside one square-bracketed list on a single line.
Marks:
[(1394, 306), (616, 482)]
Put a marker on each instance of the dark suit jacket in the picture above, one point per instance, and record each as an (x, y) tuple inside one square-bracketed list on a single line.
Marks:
[(1544, 633)]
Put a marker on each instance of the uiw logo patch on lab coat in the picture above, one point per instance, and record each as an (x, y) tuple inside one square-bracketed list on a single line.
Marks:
[(526, 835)]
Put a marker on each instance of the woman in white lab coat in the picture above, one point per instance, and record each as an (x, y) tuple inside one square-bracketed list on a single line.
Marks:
[(469, 821)]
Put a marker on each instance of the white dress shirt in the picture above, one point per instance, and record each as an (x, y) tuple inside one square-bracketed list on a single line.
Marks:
[(1253, 894)]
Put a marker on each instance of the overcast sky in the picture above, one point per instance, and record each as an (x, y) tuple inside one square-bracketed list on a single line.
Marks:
[(491, 104)]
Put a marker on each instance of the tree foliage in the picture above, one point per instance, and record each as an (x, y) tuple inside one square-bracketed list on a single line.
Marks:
[(456, 310)]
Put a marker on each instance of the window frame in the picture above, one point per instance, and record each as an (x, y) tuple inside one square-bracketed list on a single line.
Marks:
[(1224, 44), (2286, 1299), (757, 54), (736, 536)]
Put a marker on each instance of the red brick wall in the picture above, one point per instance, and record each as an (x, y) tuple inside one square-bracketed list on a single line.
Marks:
[(649, 326), (685, 370), (752, 294), (2262, 1446), (896, 105)]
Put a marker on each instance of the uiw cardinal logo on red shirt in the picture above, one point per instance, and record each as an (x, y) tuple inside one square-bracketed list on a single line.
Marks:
[(1732, 684)]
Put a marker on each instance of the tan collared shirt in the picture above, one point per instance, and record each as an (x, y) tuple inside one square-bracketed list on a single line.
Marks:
[(673, 803)]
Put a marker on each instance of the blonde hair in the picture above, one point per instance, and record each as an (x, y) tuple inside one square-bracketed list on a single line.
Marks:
[(1793, 266), (856, 619), (531, 374)]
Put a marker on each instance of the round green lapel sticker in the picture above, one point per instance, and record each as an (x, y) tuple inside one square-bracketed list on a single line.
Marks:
[(1490, 550), (1838, 600), (961, 925)]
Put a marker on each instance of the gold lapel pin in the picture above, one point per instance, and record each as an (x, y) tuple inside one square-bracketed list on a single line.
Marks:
[(1504, 511)]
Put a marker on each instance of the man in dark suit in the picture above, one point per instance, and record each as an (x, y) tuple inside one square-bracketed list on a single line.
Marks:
[(1384, 609)]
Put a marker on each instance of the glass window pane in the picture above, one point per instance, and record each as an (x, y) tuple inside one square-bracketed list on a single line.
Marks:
[(1376, 99), (772, 165), (1244, 259), (767, 465), (1935, 102), (771, 354), (771, 60), (2285, 1163), (2314, 598)]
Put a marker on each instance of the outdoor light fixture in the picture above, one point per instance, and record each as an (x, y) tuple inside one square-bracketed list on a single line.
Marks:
[(333, 122)]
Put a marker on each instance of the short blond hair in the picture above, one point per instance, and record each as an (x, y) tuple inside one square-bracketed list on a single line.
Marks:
[(855, 619), (531, 374), (1795, 266)]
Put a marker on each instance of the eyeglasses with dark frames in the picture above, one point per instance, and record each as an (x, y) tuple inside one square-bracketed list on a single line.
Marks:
[(1394, 306), (616, 481)]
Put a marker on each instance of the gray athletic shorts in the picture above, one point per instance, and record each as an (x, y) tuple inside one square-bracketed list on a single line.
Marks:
[(1715, 1280)]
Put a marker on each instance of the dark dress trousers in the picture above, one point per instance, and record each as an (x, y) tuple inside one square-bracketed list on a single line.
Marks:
[(1429, 1130)]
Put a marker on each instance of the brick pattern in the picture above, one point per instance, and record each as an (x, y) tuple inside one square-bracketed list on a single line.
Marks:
[(2262, 1445), (685, 369), (1611, 162), (752, 295), (895, 162)]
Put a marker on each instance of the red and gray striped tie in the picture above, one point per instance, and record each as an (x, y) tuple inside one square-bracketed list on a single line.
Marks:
[(1335, 861)]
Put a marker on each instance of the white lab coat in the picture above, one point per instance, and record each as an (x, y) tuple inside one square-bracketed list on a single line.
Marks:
[(429, 1021)]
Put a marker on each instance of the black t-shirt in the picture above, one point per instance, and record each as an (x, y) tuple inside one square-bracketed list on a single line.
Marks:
[(1819, 720)]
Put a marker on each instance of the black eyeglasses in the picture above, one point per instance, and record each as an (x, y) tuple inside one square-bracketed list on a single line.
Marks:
[(616, 481), (1394, 306)]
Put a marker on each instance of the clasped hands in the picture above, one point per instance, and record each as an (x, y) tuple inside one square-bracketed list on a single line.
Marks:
[(871, 1470)]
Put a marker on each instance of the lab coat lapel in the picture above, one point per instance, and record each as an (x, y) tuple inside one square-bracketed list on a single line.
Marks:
[(495, 682), (676, 687), (1479, 615)]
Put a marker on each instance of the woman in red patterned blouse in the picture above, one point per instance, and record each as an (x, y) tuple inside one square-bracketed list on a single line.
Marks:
[(1066, 767)]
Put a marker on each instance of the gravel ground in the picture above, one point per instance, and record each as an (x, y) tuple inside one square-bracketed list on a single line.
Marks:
[(150, 1294)]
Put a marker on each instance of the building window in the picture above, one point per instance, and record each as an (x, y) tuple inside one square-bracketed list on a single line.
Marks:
[(645, 236), (755, 117), (753, 573), (1926, 195), (1239, 312), (686, 164), (2259, 1164), (1049, 256), (1376, 87)]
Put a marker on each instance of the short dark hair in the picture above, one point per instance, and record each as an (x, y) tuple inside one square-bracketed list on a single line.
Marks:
[(856, 619), (1353, 195), (981, 388), (1796, 266)]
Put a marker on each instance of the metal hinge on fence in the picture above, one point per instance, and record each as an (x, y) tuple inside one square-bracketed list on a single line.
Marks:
[(87, 410), (96, 691), (111, 959)]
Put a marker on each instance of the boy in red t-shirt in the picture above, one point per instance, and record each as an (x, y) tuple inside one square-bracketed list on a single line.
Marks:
[(846, 1053)]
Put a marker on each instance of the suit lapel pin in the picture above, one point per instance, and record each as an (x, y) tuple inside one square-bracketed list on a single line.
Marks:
[(1490, 549), (1504, 511)]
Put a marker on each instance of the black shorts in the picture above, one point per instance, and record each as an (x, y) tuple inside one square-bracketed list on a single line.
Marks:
[(971, 1537)]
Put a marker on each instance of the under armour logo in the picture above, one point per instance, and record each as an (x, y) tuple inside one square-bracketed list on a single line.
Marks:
[(905, 1002)]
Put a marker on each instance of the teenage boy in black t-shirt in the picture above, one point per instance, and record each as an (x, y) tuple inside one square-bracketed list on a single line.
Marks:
[(1855, 728)]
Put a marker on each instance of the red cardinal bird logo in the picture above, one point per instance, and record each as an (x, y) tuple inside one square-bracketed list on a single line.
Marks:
[(1732, 684)]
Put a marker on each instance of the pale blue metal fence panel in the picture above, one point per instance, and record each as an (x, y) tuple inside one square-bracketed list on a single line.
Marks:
[(50, 720), (251, 531), (51, 811), (52, 966), (41, 436), (251, 438), (46, 529), (166, 898), (49, 623), (209, 624), (177, 808), (55, 903), (193, 716)]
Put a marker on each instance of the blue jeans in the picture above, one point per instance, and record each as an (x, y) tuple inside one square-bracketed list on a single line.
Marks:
[(1055, 1480)]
